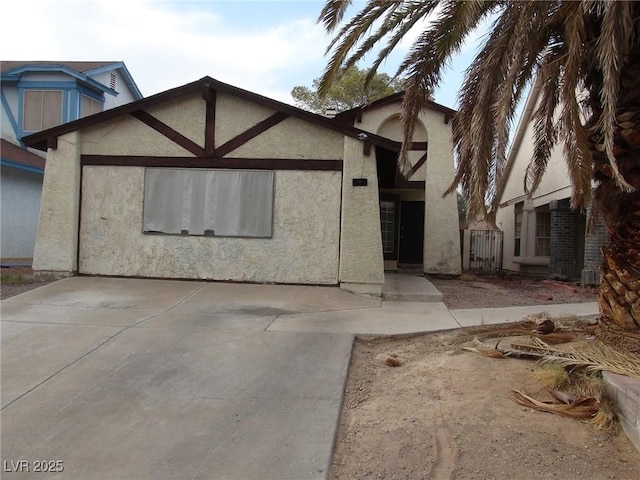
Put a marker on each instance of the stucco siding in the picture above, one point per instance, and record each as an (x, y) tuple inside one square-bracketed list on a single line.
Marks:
[(20, 199), (555, 177), (361, 260), (235, 115), (293, 138), (441, 237), (441, 225), (303, 249), (57, 235), (506, 221), (185, 115), (128, 136)]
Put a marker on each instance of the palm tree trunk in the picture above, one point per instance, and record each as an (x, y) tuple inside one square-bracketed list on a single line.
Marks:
[(619, 296)]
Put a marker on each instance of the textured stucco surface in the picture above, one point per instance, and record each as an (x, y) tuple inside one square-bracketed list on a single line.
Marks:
[(293, 138), (441, 237), (57, 236), (20, 191), (554, 179), (304, 247), (441, 224), (185, 115), (361, 259), (235, 115), (129, 136)]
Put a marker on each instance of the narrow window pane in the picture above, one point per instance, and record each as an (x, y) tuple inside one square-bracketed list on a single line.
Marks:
[(543, 234), (52, 109), (90, 106), (387, 225), (32, 114)]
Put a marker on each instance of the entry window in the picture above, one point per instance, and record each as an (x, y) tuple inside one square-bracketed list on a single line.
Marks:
[(227, 203), (518, 232), (90, 106), (387, 226), (543, 234), (42, 109)]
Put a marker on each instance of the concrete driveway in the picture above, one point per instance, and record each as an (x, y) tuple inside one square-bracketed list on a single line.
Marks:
[(127, 378)]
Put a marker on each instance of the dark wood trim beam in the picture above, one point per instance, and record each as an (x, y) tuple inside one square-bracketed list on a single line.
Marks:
[(210, 122), (417, 165), (418, 146), (169, 132), (366, 147), (52, 142), (252, 132), (214, 162)]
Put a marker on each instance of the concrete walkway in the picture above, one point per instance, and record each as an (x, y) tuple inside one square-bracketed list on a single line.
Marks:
[(123, 378)]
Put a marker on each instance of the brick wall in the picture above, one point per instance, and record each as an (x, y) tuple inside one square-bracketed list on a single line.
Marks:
[(563, 239)]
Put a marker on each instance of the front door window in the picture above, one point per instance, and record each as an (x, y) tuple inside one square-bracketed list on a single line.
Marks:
[(388, 228)]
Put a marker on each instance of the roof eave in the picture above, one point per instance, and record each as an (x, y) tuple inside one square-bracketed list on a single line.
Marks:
[(39, 140)]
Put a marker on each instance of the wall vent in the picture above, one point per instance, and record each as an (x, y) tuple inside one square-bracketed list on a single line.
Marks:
[(112, 83)]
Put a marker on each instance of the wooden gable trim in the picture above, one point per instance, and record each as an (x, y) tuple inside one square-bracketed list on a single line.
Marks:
[(169, 132), (213, 162), (209, 95), (252, 132), (417, 165), (38, 139)]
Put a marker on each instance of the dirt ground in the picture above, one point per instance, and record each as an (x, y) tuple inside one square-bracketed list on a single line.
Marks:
[(448, 414), (475, 291)]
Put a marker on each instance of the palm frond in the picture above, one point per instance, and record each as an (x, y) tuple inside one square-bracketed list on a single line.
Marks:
[(427, 58), (493, 86), (332, 13), (348, 38), (612, 51), (596, 358), (545, 131)]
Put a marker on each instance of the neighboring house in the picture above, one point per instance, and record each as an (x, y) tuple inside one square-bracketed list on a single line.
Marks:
[(542, 234), (37, 95), (214, 182)]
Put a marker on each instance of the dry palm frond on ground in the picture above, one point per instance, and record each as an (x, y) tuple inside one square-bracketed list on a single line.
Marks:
[(529, 326), (594, 357), (577, 369)]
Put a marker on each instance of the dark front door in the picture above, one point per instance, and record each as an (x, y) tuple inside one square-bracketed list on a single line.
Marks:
[(411, 233)]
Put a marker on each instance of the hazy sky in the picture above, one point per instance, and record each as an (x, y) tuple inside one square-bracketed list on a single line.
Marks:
[(266, 46)]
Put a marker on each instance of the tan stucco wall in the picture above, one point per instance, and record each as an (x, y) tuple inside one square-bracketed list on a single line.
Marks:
[(304, 247), (128, 136), (235, 115), (57, 235), (442, 237), (554, 179), (361, 261), (185, 114), (293, 138)]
